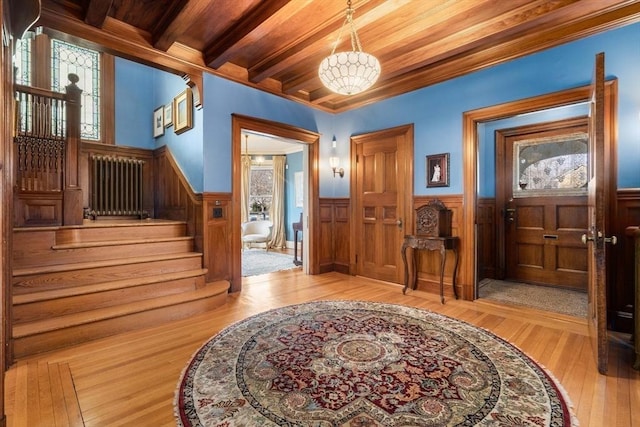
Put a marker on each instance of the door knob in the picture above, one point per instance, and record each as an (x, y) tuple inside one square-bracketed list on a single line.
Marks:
[(399, 223), (613, 239), (586, 239)]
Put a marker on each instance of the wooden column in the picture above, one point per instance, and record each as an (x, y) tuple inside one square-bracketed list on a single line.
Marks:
[(72, 202)]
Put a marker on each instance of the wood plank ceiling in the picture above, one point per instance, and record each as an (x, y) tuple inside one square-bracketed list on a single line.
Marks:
[(277, 45)]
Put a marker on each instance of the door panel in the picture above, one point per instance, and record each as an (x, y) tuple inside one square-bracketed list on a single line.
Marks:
[(598, 200), (542, 227), (383, 183)]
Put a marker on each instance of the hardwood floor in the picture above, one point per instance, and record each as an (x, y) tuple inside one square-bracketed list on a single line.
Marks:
[(130, 379)]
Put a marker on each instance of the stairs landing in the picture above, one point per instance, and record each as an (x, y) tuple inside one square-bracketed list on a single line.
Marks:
[(76, 284)]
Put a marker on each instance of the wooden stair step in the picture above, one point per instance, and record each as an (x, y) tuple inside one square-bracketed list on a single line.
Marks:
[(63, 301), (108, 230), (103, 286), (100, 243), (49, 334), (98, 264), (47, 396)]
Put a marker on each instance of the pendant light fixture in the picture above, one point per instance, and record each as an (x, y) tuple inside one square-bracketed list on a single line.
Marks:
[(350, 72)]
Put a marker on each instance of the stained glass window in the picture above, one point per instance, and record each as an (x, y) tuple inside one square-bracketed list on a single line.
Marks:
[(551, 166), (22, 61), (68, 58)]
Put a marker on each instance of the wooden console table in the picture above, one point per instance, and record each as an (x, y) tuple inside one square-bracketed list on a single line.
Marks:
[(635, 233), (430, 243)]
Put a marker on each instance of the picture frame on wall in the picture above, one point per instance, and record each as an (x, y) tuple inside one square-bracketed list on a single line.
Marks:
[(437, 170), (168, 114), (158, 121), (183, 112)]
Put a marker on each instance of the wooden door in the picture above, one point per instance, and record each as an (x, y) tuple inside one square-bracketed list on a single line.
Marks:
[(383, 175), (598, 202), (543, 204)]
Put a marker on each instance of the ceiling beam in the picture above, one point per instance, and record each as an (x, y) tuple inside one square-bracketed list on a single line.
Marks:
[(217, 53), (176, 21), (97, 12)]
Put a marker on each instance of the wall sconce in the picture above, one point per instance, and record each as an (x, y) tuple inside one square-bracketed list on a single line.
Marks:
[(334, 162)]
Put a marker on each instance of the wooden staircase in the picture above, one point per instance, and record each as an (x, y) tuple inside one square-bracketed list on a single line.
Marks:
[(77, 283)]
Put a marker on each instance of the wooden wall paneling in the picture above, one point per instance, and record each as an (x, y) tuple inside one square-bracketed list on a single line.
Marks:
[(87, 149), (341, 233), (174, 198), (621, 259), (428, 262), (334, 235), (217, 236), (325, 238), (6, 200), (487, 265)]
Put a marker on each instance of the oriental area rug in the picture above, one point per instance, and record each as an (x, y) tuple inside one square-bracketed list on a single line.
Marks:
[(363, 364)]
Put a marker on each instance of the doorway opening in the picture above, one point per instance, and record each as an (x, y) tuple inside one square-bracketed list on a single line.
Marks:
[(272, 208), (309, 140), (532, 210)]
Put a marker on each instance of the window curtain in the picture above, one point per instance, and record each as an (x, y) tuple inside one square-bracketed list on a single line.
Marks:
[(244, 188), (276, 213)]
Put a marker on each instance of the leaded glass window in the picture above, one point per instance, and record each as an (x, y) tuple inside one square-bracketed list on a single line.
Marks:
[(68, 58), (555, 166), (22, 61)]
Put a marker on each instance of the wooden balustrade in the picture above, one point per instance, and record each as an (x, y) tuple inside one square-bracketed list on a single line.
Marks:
[(47, 135)]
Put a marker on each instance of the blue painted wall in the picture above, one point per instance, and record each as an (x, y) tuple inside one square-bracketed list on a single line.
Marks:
[(139, 91), (222, 98), (205, 152), (437, 110), (292, 213)]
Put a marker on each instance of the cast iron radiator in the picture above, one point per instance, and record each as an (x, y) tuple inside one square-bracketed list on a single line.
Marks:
[(116, 186)]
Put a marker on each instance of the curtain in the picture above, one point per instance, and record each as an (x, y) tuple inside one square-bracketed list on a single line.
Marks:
[(244, 188), (277, 203)]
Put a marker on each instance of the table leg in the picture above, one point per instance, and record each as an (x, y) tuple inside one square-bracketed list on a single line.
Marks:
[(443, 260), (455, 269), (406, 268), (295, 249)]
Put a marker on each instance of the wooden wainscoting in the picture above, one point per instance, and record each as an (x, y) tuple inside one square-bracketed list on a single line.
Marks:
[(218, 237), (174, 198), (428, 262), (333, 238), (486, 263), (620, 299)]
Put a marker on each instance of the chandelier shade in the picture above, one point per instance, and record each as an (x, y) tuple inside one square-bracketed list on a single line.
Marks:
[(352, 72), (348, 73)]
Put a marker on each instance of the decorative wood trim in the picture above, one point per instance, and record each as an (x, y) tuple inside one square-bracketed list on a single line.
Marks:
[(470, 158), (312, 139), (108, 97)]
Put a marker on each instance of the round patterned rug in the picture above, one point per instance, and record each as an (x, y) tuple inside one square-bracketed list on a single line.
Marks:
[(361, 364)]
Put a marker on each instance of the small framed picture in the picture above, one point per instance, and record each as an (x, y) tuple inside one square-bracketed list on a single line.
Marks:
[(158, 122), (438, 170), (183, 112), (168, 114)]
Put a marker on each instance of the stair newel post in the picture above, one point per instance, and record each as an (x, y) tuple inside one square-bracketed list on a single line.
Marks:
[(72, 203)]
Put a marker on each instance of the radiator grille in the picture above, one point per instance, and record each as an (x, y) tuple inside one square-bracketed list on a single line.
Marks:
[(116, 186)]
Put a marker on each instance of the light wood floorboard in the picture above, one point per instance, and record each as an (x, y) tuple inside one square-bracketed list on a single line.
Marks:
[(130, 379)]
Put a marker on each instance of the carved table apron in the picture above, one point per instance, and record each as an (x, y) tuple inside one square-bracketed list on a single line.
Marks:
[(429, 243)]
